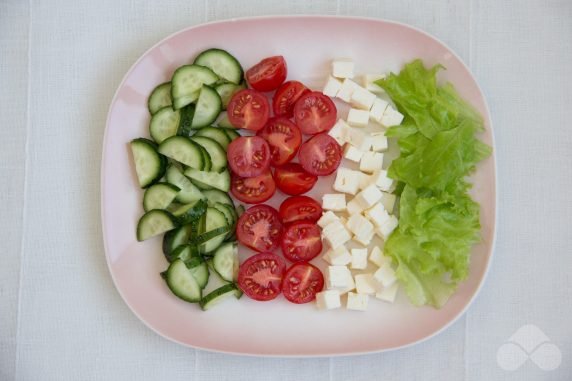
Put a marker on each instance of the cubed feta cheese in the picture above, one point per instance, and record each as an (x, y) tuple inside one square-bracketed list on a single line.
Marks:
[(354, 207), (340, 132), (385, 275), (391, 117), (364, 180), (357, 302), (388, 201), (369, 196), (347, 181), (332, 87), (387, 294), (352, 153), (337, 277), (339, 256), (359, 139), (366, 284), (361, 228), (379, 142), (343, 68), (369, 82), (377, 214), (362, 99), (364, 237), (377, 110), (351, 284), (336, 234), (348, 88), (335, 202), (371, 162), (378, 258), (328, 299), (327, 218), (359, 259), (385, 230), (382, 181), (358, 118)]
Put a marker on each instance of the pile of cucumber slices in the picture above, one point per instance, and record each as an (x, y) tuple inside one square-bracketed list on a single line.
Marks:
[(183, 169)]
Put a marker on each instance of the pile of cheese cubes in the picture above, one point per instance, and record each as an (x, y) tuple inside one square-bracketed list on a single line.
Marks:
[(368, 213)]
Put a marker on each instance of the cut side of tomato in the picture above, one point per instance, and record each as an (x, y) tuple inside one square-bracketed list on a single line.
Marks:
[(248, 156), (259, 228), (321, 155), (260, 276), (286, 97), (268, 74), (314, 113), (284, 139), (302, 282), (253, 190), (299, 208), (292, 179), (248, 109), (301, 241)]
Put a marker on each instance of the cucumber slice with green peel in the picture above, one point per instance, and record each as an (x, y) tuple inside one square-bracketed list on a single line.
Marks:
[(225, 261), (199, 269), (191, 212), (160, 97), (240, 209), (182, 283), (164, 124), (206, 158), (232, 134), (216, 180), (214, 195), (209, 105), (216, 134), (216, 153), (182, 150), (189, 192), (186, 124), (183, 252), (214, 219), (159, 196), (187, 82), (227, 214), (226, 91), (153, 223), (222, 63), (149, 164), (176, 238), (223, 121), (219, 295)]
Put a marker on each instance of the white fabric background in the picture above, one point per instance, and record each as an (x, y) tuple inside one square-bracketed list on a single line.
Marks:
[(60, 316)]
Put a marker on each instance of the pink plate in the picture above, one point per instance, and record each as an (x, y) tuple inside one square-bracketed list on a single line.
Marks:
[(276, 328)]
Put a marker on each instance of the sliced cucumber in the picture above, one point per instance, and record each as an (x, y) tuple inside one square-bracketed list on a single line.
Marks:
[(225, 261), (183, 252), (199, 269), (149, 164), (216, 134), (222, 63), (207, 163), (214, 220), (159, 196), (232, 134), (160, 97), (227, 213), (226, 91), (223, 121), (216, 153), (209, 105), (182, 283), (174, 239), (189, 192), (220, 294), (214, 195), (216, 180), (240, 209), (183, 150), (191, 212), (186, 124), (153, 223), (164, 124), (187, 82)]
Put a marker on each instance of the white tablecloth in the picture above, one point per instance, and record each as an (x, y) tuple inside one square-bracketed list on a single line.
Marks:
[(60, 315)]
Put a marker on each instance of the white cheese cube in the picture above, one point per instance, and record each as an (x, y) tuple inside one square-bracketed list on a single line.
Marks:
[(371, 162), (351, 284), (337, 277), (354, 207), (347, 181), (378, 258), (364, 180), (358, 224), (348, 88), (367, 284), (357, 302), (369, 82), (378, 215), (382, 181), (340, 132), (362, 99), (388, 201), (352, 153), (336, 234), (339, 256), (327, 218), (387, 294), (358, 118), (364, 237), (335, 202), (379, 142), (332, 87), (343, 68), (328, 299), (385, 230), (359, 139), (385, 275), (369, 196), (377, 110), (391, 117), (359, 259)]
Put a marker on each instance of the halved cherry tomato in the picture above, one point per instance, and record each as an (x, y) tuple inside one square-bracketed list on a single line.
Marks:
[(321, 155), (286, 97), (314, 113), (301, 241), (284, 138), (248, 156), (268, 74), (248, 109), (299, 208), (253, 190), (260, 276), (259, 228), (302, 282), (292, 179)]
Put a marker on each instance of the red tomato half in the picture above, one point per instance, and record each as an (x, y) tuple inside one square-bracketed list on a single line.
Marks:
[(301, 241), (314, 113), (248, 156), (321, 155), (248, 109), (286, 97), (259, 228), (268, 74), (284, 138), (292, 179), (253, 190), (260, 276), (302, 282), (299, 208)]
